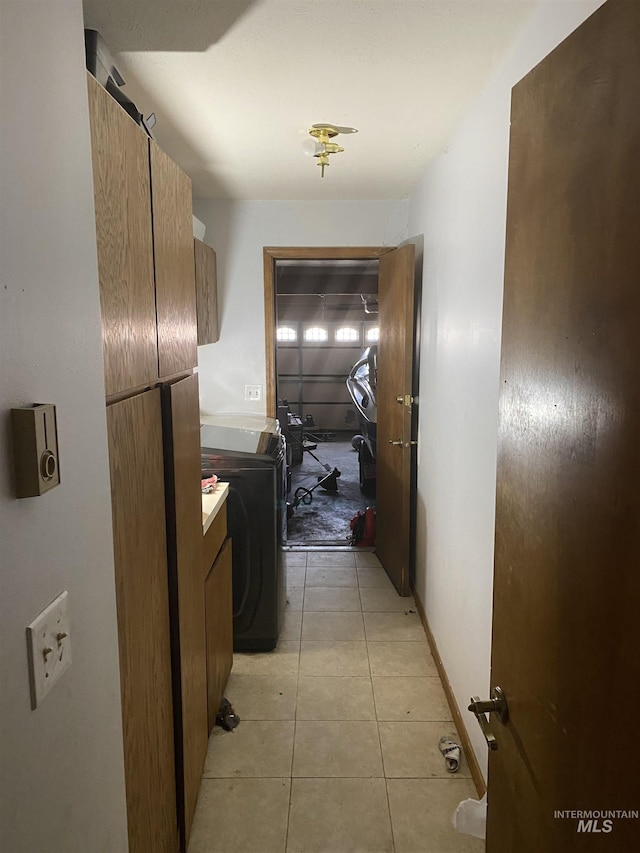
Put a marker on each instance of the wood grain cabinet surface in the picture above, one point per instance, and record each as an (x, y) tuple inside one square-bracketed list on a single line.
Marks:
[(184, 523), (206, 293), (138, 505), (122, 196), (219, 616), (147, 295), (174, 264)]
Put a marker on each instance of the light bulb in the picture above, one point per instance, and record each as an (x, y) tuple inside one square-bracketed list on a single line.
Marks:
[(312, 148)]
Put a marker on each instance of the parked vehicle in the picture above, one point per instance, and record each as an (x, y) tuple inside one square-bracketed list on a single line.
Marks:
[(361, 384)]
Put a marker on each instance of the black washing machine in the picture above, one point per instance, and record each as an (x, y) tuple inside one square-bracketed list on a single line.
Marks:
[(249, 454)]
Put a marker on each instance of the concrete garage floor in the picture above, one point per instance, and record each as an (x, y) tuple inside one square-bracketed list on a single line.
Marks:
[(326, 520)]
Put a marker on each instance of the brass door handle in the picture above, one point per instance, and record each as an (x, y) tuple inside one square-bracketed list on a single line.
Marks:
[(397, 443), (407, 399), (496, 705)]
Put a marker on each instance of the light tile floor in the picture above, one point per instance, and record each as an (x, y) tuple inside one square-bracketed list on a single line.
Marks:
[(337, 751)]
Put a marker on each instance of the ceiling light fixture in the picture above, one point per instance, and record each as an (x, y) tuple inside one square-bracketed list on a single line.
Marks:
[(320, 146)]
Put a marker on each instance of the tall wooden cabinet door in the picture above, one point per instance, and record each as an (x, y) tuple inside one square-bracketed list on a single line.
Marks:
[(122, 197), (184, 505), (174, 264), (139, 537)]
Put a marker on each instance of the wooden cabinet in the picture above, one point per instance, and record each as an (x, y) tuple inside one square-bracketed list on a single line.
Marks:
[(122, 194), (147, 295), (144, 232), (174, 264), (218, 593), (206, 293), (138, 505), (184, 520)]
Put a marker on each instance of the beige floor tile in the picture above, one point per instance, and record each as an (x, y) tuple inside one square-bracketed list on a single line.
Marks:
[(338, 627), (339, 816), (263, 697), (324, 657), (336, 576), (410, 699), (348, 749), (241, 816), (393, 626), (292, 627), (385, 600), (367, 558), (322, 598), (295, 596), (296, 576), (335, 698), (283, 660), (295, 558), (411, 750), (421, 811), (331, 558), (373, 576), (255, 748), (401, 658)]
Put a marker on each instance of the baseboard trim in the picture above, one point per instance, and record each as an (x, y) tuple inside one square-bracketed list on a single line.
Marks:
[(472, 761)]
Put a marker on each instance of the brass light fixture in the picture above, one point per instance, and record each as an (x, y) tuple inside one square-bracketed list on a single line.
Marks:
[(320, 145)]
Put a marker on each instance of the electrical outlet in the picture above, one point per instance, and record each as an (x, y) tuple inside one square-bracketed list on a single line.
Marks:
[(253, 393), (49, 644)]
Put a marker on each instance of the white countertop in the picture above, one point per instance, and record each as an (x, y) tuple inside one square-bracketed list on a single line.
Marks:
[(211, 504)]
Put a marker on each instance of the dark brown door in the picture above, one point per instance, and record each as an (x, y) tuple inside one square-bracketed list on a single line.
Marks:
[(394, 450), (566, 629)]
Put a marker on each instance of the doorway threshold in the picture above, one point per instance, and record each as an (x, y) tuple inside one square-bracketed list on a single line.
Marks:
[(326, 546)]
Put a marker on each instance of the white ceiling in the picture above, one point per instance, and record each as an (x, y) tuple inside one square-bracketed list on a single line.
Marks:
[(235, 85)]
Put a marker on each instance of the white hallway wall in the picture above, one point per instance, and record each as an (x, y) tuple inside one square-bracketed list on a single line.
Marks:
[(61, 766), (238, 231), (460, 207)]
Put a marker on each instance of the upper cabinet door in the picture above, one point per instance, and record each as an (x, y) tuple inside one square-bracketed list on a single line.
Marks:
[(124, 240), (174, 265), (206, 293)]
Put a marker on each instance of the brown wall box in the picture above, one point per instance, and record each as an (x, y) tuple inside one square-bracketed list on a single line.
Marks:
[(35, 448)]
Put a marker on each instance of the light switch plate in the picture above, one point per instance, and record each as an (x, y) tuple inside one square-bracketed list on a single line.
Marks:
[(49, 645), (253, 393)]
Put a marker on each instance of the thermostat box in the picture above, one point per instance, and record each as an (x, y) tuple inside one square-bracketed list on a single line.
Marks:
[(35, 449)]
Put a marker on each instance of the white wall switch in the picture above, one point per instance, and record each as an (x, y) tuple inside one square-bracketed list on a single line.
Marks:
[(253, 393), (49, 645)]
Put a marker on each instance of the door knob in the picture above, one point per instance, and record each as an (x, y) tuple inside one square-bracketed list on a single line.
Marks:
[(496, 705), (397, 443), (407, 399)]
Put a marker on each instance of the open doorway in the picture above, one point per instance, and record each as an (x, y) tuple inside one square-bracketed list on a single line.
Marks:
[(396, 387), (326, 339)]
